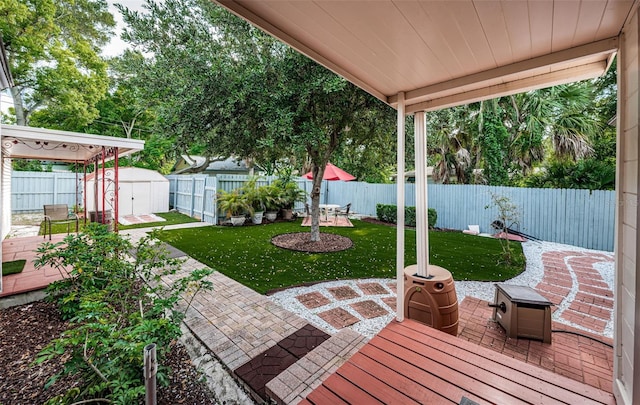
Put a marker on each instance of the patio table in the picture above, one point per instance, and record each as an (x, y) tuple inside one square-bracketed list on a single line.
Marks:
[(326, 208)]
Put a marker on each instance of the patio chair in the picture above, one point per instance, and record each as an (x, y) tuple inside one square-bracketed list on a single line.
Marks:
[(343, 211), (58, 214)]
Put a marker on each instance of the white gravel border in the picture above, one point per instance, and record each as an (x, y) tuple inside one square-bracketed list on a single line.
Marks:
[(481, 290)]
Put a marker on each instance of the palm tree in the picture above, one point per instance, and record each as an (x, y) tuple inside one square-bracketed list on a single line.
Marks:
[(447, 146), (573, 128), (558, 113), (557, 120), (451, 157), (557, 116)]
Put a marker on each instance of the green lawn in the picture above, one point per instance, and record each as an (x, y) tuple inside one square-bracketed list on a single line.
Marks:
[(247, 255), (13, 267), (171, 218)]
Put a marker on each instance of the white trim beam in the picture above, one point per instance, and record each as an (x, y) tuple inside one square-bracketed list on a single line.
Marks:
[(422, 226), (55, 135), (400, 186), (577, 73), (606, 46)]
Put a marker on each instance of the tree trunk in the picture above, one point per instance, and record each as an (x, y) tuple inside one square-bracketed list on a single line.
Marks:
[(318, 173), (128, 127), (18, 105)]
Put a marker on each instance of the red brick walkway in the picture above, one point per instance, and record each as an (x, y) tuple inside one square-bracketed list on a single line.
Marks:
[(581, 296)]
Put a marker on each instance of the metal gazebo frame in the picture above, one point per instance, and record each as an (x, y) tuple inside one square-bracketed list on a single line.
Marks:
[(19, 142)]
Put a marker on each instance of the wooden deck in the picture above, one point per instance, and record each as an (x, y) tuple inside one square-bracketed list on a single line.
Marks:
[(411, 363)]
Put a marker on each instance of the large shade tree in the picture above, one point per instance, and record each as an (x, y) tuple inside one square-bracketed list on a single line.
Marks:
[(236, 91), (53, 51)]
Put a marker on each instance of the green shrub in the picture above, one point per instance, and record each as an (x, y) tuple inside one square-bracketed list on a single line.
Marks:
[(115, 306), (433, 217), (388, 213)]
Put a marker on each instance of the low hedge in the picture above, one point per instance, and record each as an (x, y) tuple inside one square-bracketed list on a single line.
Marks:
[(387, 213)]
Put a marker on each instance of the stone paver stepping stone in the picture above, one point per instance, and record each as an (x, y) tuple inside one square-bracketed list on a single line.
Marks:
[(343, 293), (257, 372), (303, 341), (391, 301), (338, 318), (313, 300), (369, 309), (372, 288)]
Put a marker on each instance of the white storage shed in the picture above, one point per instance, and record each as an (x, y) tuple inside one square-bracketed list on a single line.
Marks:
[(141, 191)]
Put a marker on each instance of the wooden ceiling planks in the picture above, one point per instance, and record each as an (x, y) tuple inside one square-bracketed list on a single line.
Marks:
[(414, 46)]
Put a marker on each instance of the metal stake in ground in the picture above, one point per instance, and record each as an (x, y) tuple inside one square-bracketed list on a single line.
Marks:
[(150, 371)]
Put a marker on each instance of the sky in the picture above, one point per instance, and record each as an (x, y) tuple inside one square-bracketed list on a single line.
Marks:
[(116, 46)]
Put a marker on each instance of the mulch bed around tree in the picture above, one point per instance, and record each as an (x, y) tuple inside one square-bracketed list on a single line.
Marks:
[(27, 329), (300, 241)]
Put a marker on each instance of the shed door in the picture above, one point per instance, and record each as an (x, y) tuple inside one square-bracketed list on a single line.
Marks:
[(125, 199), (134, 199), (141, 198)]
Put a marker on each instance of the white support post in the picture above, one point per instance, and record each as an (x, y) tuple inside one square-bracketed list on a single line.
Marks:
[(400, 211), (422, 225)]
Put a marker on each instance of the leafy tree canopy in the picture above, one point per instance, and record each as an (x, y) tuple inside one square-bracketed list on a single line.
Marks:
[(502, 141), (53, 51), (233, 90)]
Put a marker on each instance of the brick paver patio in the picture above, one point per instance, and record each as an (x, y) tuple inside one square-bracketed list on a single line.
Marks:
[(576, 357), (30, 279)]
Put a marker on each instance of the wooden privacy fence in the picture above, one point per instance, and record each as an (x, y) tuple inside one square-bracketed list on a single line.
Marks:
[(194, 195), (30, 191), (574, 217)]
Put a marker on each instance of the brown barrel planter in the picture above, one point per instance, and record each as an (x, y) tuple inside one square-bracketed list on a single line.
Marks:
[(432, 301)]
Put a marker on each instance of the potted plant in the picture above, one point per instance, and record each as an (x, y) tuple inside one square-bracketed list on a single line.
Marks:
[(291, 194), (255, 197), (272, 199), (78, 210), (235, 204)]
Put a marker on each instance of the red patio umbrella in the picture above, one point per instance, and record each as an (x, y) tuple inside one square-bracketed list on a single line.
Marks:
[(332, 172)]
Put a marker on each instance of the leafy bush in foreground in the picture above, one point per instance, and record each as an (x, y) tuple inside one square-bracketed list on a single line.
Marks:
[(116, 306)]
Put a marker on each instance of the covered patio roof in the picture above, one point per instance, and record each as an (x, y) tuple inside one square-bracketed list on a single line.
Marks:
[(20, 142), (446, 53)]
